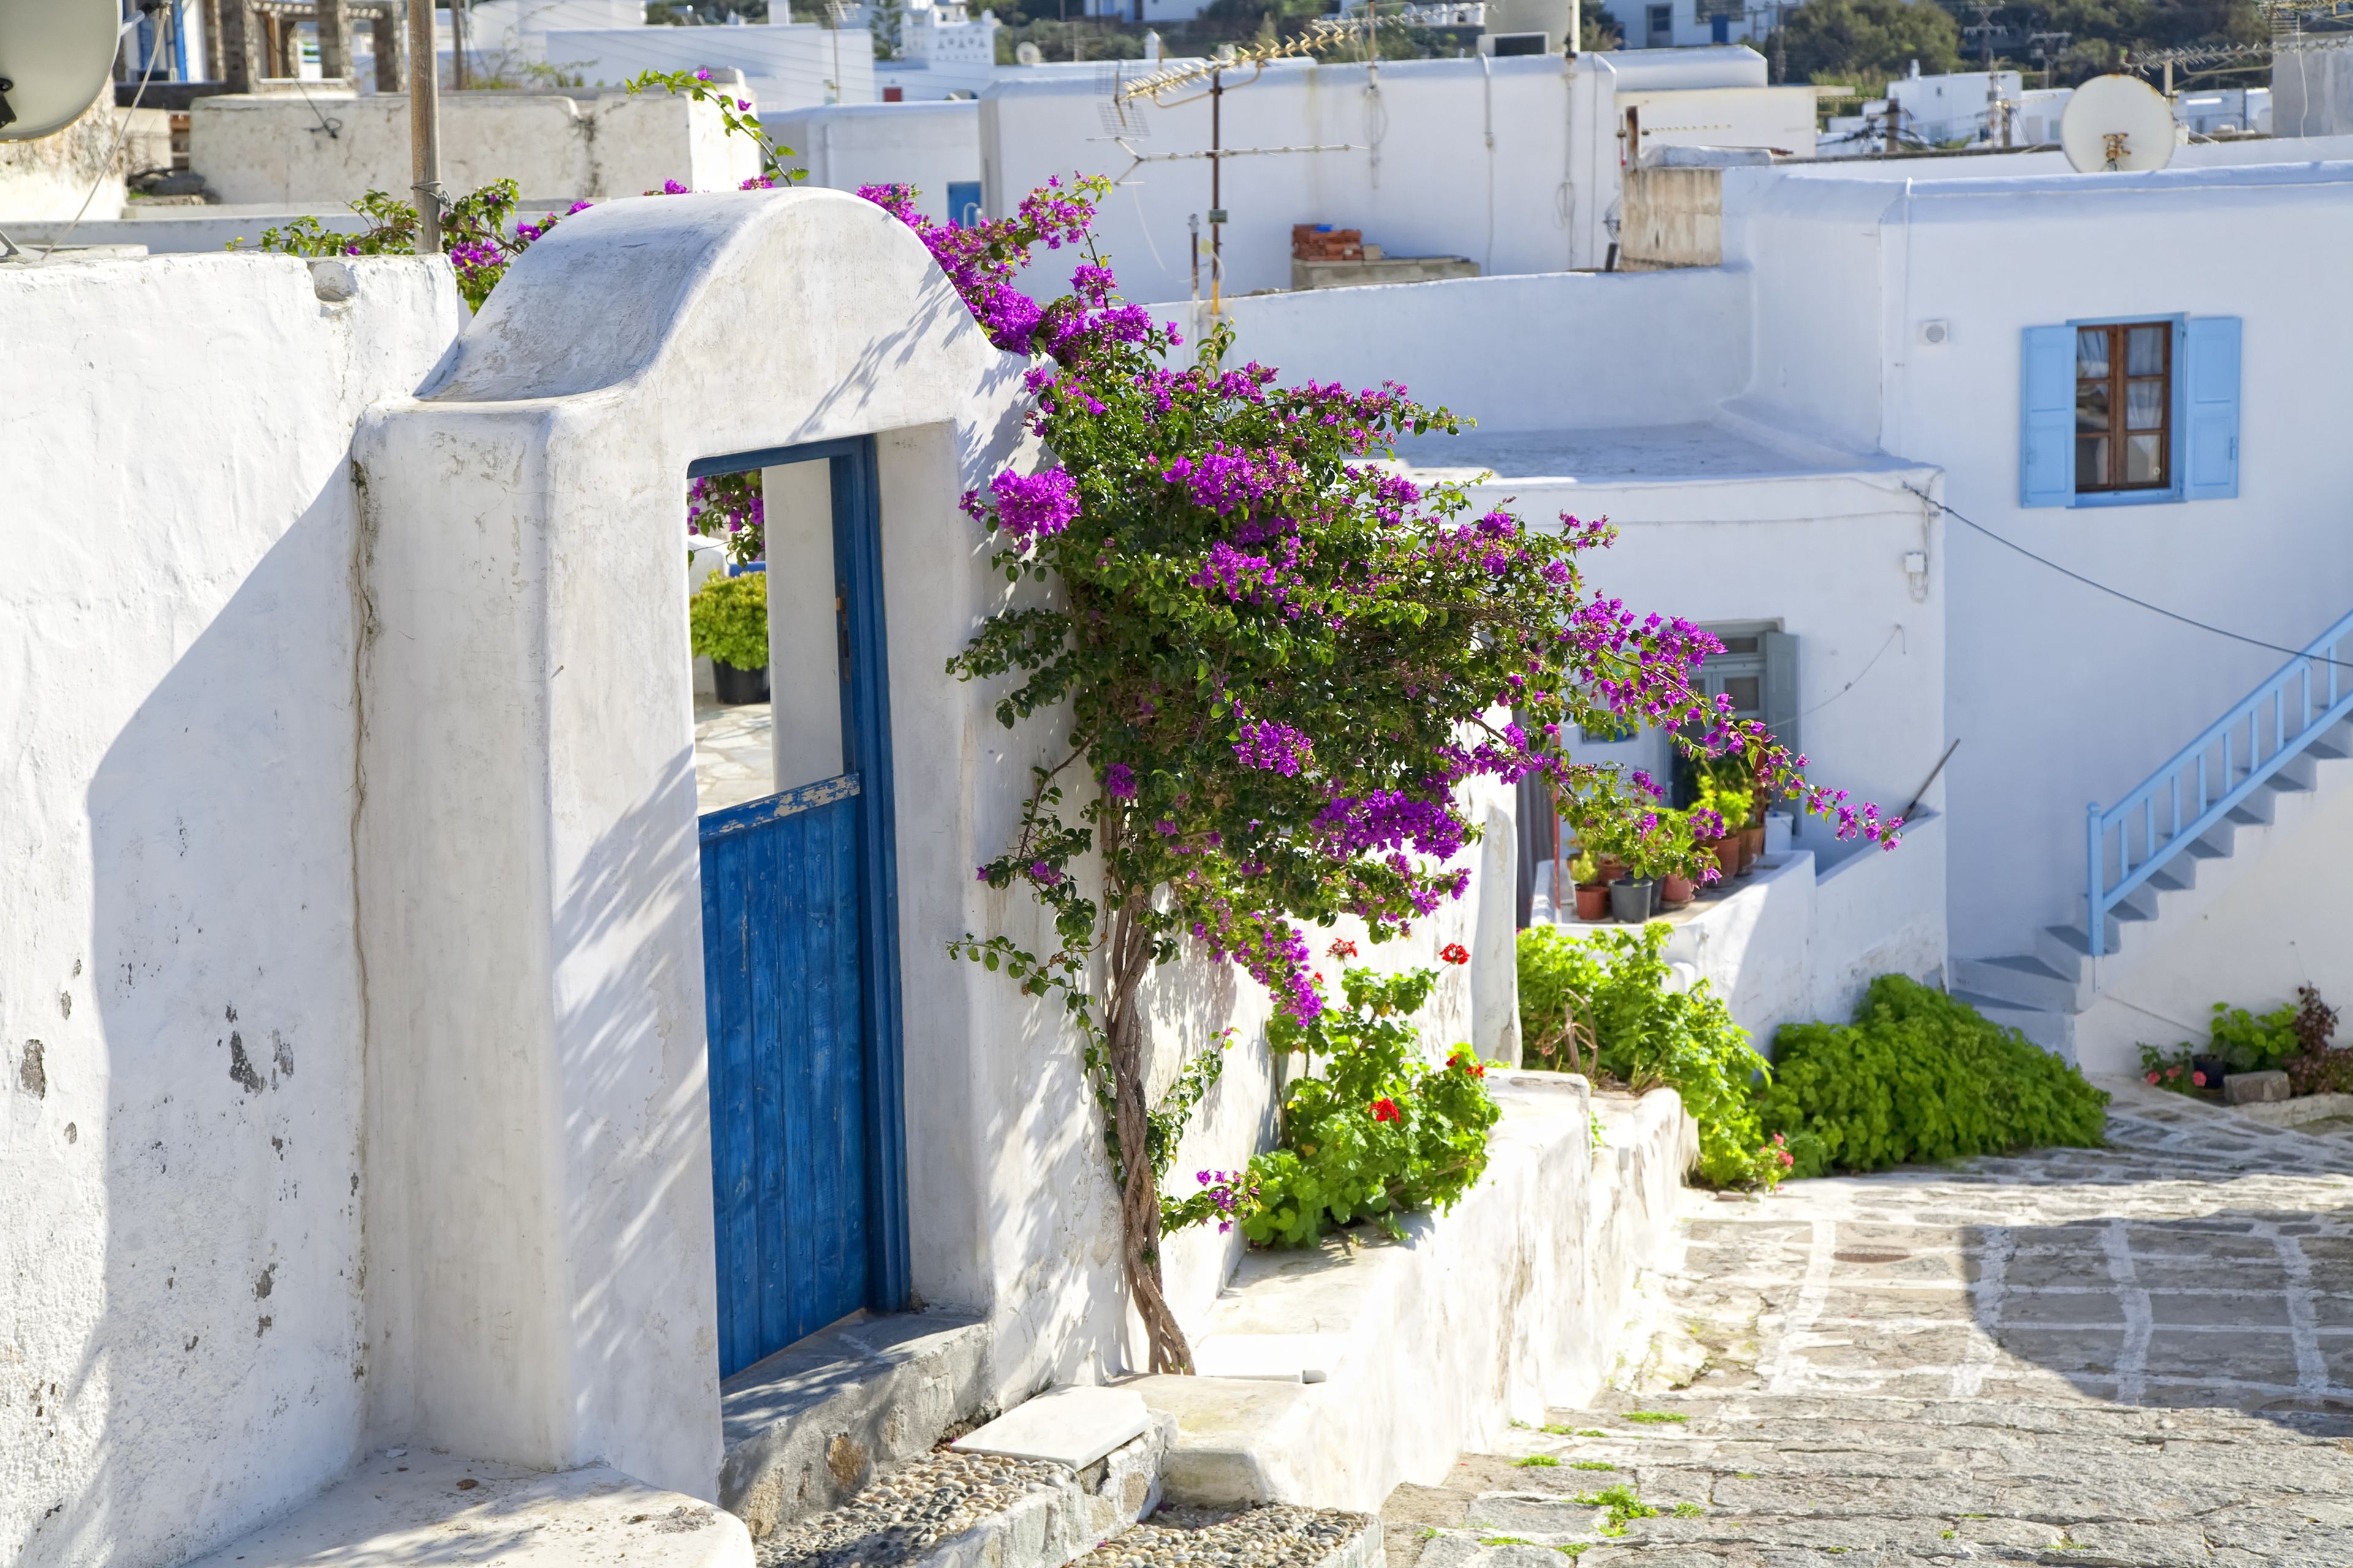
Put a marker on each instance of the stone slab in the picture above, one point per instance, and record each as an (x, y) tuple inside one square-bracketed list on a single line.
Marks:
[(807, 1428), (1073, 1427), (2297, 1112), (2255, 1087), (401, 1508)]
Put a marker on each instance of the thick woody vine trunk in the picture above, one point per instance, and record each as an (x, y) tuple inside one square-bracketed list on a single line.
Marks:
[(1128, 961)]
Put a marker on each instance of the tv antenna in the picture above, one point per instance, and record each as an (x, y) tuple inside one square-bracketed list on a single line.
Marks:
[(1322, 34)]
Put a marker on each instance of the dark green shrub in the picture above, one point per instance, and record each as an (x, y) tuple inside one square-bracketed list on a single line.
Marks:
[(1919, 1076), (1609, 990), (728, 618)]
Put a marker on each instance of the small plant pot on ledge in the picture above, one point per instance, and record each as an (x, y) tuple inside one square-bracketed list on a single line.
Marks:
[(1752, 845), (1593, 901), (1674, 892), (1631, 899), (736, 686), (1727, 856)]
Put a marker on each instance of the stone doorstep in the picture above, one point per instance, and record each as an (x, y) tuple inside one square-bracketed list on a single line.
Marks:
[(805, 1428), (404, 1506)]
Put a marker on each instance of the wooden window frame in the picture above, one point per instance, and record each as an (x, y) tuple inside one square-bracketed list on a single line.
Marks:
[(2168, 480)]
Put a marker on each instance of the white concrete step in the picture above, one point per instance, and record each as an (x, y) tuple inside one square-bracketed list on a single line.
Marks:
[(404, 1508)]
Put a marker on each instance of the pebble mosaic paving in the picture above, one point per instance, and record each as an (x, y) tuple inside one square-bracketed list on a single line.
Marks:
[(2136, 1355)]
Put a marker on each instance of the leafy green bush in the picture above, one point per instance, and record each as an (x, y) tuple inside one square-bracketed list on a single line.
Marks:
[(729, 619), (1918, 1075), (1377, 1134), (1600, 1005)]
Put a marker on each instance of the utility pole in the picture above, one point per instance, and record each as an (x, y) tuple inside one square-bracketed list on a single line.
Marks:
[(1982, 29), (1217, 189), (458, 44), (425, 125)]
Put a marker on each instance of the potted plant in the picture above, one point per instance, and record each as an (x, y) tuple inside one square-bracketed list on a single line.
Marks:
[(728, 618), (1724, 806), (1675, 832), (1592, 888)]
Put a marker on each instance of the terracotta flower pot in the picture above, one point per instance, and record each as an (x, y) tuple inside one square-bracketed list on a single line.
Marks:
[(1612, 868), (1752, 845), (1674, 892), (1593, 901), (1728, 855)]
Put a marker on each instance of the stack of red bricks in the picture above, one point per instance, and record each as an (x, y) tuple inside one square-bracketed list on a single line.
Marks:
[(1313, 242)]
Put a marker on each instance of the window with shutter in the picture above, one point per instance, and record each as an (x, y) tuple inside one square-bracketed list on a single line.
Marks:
[(2124, 412)]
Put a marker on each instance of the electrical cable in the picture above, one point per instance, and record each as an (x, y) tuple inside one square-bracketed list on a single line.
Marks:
[(2128, 599)]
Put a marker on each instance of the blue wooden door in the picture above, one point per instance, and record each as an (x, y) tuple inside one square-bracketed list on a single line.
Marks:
[(801, 990)]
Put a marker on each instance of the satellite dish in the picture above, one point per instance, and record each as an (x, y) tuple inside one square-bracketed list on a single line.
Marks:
[(1028, 55), (56, 57), (2116, 122)]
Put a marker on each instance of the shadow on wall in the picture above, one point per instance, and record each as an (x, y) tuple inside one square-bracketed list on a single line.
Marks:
[(618, 1116), (228, 1359), (2248, 1309)]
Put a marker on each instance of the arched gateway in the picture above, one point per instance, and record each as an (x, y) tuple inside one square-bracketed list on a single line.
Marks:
[(536, 893)]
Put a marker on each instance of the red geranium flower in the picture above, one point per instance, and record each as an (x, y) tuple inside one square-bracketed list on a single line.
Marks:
[(1468, 1063), (1342, 947), (1384, 1110), (1455, 953), (2154, 1077), (2199, 1079)]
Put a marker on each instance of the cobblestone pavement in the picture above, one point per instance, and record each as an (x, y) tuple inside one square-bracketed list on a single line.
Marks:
[(735, 760), (2136, 1355)]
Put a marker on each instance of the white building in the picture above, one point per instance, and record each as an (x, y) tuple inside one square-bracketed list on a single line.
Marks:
[(789, 65), (1510, 161), (944, 51), (931, 146)]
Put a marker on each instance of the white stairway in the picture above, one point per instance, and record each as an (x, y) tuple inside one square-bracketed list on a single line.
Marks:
[(2042, 991)]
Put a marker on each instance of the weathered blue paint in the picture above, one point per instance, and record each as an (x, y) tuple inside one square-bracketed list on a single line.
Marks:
[(801, 993)]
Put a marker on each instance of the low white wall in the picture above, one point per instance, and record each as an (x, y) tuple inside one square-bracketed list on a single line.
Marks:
[(1508, 1305), (790, 65), (2273, 928), (182, 1244), (268, 147), (926, 145), (1544, 352), (81, 170)]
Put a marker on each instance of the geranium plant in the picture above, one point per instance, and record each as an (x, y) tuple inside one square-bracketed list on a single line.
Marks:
[(1271, 665), (1368, 1133)]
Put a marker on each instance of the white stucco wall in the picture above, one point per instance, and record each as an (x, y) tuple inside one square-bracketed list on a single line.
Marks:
[(2274, 928), (1548, 352), (182, 1344), (2060, 694), (925, 146), (789, 65), (267, 147)]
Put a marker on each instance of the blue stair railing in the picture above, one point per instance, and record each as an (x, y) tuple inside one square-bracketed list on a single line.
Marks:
[(2128, 842)]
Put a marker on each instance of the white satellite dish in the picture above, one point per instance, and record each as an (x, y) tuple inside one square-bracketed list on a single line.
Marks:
[(2116, 122), (56, 57)]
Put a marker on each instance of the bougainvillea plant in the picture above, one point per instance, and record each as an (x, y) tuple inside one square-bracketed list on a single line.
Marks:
[(1272, 663)]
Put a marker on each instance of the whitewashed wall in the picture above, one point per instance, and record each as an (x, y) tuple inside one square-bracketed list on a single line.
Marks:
[(182, 1344), (925, 146), (789, 65), (265, 147), (1551, 351), (2060, 694), (1510, 161)]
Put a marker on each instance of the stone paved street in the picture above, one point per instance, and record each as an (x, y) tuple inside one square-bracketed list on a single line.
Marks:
[(2138, 1355), (735, 760)]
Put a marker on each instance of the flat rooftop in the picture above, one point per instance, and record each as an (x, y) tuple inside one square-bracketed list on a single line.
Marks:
[(1638, 452)]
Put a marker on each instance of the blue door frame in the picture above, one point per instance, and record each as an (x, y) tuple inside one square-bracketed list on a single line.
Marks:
[(800, 889)]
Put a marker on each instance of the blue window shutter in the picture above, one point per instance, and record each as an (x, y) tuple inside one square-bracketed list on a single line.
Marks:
[(2046, 418), (964, 203), (2211, 422)]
